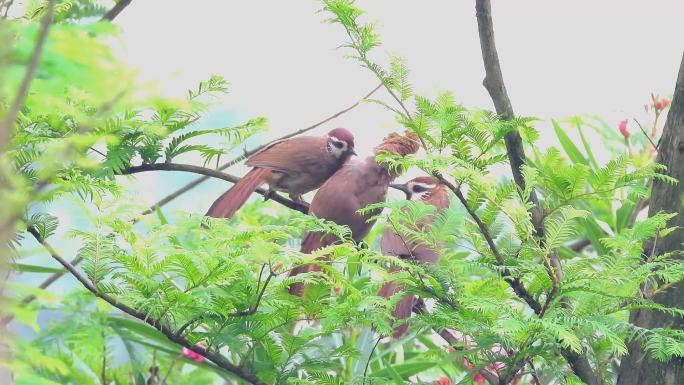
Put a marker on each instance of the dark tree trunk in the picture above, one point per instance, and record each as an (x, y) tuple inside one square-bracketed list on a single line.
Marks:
[(638, 368)]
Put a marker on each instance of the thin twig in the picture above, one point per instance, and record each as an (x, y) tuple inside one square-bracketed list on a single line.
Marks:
[(515, 283), (213, 356), (254, 307), (655, 146), (116, 10), (169, 370), (494, 84), (11, 115), (211, 173), (7, 8), (189, 186), (365, 371), (452, 340), (253, 151)]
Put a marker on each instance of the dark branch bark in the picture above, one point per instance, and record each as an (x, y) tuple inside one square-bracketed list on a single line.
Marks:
[(253, 151), (116, 10), (580, 245), (211, 355), (211, 173), (513, 282), (169, 198), (639, 367), (495, 85)]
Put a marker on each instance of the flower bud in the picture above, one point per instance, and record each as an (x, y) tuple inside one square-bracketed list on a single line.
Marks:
[(623, 129), (660, 104), (189, 354)]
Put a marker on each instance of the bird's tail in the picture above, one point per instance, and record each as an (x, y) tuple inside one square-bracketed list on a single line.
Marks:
[(227, 204), (312, 241), (403, 308)]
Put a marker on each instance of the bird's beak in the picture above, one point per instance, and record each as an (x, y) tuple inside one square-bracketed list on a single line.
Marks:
[(353, 152), (401, 187)]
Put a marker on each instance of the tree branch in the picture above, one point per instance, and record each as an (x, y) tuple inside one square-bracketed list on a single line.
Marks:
[(452, 340), (11, 115), (494, 84), (189, 186), (515, 283), (211, 355), (253, 151), (211, 173), (116, 10)]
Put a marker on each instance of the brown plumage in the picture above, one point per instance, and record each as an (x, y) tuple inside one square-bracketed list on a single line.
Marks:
[(296, 166), (357, 184), (431, 192)]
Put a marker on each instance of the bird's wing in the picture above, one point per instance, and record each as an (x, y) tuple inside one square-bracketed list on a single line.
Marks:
[(294, 154), (357, 184)]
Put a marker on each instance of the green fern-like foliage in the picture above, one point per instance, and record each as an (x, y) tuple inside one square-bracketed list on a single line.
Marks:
[(223, 283)]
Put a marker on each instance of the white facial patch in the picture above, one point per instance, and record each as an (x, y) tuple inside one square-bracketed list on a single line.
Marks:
[(337, 147), (421, 190)]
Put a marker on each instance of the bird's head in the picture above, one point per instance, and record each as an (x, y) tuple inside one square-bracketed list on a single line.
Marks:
[(341, 143), (403, 145), (418, 188)]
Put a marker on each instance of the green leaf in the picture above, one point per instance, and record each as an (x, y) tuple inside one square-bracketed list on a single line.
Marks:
[(570, 149), (586, 145), (37, 269), (594, 233), (623, 214), (407, 369)]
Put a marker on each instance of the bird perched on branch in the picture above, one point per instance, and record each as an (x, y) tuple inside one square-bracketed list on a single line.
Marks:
[(296, 166), (356, 185), (430, 191)]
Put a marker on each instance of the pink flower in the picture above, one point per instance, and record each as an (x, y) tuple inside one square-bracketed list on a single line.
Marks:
[(444, 380), (189, 354), (661, 104), (623, 129)]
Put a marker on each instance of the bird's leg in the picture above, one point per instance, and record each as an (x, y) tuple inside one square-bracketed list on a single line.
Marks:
[(269, 194), (297, 198)]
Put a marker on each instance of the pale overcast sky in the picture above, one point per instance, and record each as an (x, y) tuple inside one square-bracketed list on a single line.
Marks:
[(559, 58)]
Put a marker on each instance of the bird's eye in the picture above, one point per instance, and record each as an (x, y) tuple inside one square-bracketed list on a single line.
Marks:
[(338, 144), (418, 188)]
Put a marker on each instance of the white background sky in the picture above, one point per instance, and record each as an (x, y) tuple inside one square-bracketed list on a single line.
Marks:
[(559, 58)]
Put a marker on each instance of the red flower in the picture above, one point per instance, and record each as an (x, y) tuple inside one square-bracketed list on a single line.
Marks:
[(189, 354), (444, 380), (623, 129), (661, 104)]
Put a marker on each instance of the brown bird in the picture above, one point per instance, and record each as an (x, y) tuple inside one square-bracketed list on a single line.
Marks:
[(431, 192), (356, 185), (296, 166)]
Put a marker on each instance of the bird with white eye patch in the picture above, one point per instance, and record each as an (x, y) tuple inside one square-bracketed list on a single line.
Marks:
[(296, 166), (418, 188), (337, 147), (430, 191)]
